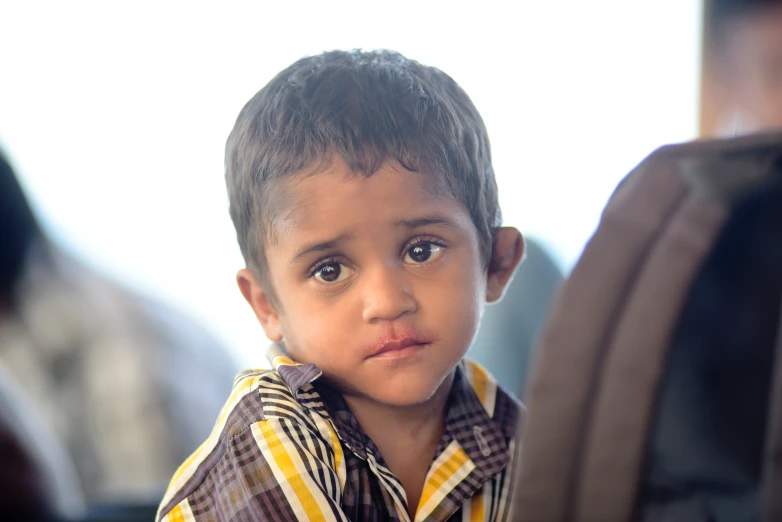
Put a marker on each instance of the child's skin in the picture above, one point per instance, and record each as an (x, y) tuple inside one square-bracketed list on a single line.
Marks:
[(380, 282)]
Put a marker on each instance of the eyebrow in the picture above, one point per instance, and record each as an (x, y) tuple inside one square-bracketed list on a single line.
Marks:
[(434, 219), (320, 246)]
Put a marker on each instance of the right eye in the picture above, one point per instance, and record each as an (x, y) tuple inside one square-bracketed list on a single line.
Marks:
[(331, 272)]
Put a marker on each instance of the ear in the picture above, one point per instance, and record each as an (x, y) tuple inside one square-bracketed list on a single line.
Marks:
[(507, 251), (259, 301)]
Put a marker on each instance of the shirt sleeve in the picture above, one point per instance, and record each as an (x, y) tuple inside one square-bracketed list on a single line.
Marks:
[(275, 470)]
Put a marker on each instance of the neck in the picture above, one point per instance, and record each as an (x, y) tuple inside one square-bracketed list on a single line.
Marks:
[(407, 436), (383, 422)]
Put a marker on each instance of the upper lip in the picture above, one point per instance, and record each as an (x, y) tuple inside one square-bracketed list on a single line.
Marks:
[(389, 345)]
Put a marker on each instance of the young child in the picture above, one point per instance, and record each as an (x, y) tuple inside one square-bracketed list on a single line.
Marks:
[(363, 196)]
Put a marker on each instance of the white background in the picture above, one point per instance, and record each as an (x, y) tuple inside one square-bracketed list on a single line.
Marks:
[(115, 114)]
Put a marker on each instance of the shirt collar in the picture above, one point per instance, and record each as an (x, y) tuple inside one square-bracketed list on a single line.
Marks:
[(466, 421), (479, 435), (295, 375)]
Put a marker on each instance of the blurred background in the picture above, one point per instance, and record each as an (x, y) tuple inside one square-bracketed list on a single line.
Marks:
[(118, 255), (115, 116)]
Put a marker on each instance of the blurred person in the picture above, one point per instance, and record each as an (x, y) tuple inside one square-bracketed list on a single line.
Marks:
[(743, 77), (98, 363), (366, 207), (37, 478)]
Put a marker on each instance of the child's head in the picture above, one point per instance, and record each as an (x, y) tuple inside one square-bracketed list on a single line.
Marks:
[(367, 108), (364, 199)]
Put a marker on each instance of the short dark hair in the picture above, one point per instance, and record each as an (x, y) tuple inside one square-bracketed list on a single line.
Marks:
[(367, 107)]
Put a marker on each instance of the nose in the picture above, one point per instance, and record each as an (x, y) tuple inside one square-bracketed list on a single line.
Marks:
[(388, 294)]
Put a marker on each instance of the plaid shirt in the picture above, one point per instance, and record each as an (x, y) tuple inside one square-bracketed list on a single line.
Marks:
[(287, 448)]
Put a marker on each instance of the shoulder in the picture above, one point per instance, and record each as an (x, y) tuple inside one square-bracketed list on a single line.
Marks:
[(256, 395), (260, 402), (501, 405)]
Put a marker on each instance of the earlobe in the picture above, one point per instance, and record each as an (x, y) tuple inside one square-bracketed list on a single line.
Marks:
[(259, 301), (507, 251)]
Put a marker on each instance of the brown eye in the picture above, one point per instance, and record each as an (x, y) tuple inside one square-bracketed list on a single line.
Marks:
[(423, 252), (332, 272)]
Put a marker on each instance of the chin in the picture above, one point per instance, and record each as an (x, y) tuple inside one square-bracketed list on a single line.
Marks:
[(404, 400), (406, 393)]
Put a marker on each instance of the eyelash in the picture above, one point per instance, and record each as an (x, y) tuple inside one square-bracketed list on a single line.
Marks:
[(410, 244), (423, 239), (323, 262)]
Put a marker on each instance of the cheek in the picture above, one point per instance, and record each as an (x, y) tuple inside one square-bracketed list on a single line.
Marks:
[(312, 328), (459, 303), (462, 322)]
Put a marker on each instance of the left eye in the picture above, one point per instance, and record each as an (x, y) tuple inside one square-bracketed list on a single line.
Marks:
[(332, 272), (423, 253)]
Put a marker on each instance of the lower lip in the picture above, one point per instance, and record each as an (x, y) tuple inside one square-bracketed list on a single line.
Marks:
[(401, 353)]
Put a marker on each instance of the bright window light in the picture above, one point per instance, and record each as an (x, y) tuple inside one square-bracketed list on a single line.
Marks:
[(116, 114)]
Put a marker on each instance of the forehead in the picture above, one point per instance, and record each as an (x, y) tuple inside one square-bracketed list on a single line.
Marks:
[(333, 196)]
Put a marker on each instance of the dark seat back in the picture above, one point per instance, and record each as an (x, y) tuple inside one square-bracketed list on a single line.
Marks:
[(655, 393)]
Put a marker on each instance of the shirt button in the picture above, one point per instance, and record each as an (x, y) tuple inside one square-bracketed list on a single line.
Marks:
[(483, 444)]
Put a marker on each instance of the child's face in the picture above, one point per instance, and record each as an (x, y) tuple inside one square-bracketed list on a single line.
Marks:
[(379, 281)]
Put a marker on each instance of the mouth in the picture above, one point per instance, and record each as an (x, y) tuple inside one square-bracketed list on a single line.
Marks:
[(397, 346)]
